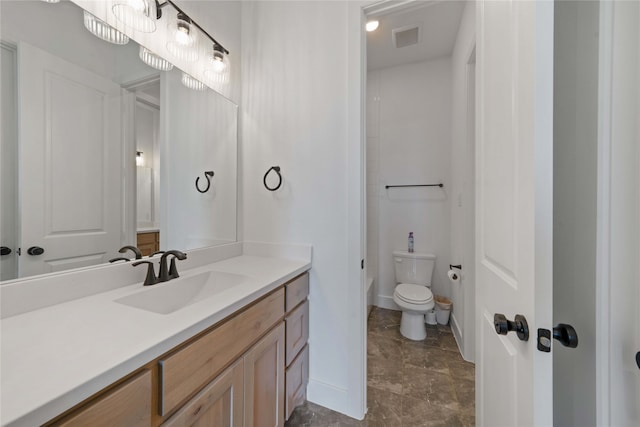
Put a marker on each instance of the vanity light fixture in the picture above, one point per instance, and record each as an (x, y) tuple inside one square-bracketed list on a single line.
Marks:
[(372, 25), (51, 1), (139, 158), (154, 61), (104, 31), (192, 82), (141, 15)]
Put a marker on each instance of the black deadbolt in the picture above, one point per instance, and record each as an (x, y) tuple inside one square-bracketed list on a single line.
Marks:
[(35, 250), (504, 326)]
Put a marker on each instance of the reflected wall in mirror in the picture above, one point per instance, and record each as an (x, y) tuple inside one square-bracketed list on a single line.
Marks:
[(76, 110)]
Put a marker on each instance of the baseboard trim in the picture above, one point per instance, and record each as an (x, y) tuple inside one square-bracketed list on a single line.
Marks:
[(330, 396)]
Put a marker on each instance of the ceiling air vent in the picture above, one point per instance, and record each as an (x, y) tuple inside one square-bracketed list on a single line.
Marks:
[(406, 36)]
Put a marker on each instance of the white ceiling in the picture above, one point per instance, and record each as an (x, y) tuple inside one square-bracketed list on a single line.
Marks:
[(439, 20)]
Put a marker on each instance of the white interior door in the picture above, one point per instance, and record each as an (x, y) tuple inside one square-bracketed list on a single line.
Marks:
[(70, 163), (514, 209)]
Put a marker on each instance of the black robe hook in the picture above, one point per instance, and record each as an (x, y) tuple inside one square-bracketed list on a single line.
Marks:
[(208, 175)]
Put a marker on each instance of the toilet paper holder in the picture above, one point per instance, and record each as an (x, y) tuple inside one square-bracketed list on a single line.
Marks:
[(459, 267)]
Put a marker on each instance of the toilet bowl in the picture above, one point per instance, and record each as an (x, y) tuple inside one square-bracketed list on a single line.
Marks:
[(412, 294)]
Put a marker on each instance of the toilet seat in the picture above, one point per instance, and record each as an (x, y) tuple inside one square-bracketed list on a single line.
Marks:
[(413, 294)]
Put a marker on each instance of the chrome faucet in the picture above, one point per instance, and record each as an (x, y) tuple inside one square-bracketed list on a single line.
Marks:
[(172, 271), (133, 249)]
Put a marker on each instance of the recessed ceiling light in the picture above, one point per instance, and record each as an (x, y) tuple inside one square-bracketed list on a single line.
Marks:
[(372, 25)]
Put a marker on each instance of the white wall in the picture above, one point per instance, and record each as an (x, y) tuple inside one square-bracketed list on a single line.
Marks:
[(574, 210), (413, 147), (300, 110), (463, 183)]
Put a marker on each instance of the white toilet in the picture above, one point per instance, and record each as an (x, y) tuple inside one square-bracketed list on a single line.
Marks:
[(412, 294)]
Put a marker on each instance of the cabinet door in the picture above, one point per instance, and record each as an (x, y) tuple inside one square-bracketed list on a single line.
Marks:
[(219, 404), (264, 381)]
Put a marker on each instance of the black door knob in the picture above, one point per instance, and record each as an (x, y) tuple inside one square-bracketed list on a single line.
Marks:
[(35, 250), (4, 250), (638, 359), (504, 326), (566, 334)]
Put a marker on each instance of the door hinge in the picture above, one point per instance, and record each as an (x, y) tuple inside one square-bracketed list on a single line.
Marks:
[(361, 264)]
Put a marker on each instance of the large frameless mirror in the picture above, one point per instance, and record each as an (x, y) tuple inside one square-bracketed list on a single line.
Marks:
[(104, 144)]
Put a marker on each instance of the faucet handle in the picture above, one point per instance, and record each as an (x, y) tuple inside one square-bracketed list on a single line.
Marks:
[(133, 249), (156, 253), (151, 278), (112, 260)]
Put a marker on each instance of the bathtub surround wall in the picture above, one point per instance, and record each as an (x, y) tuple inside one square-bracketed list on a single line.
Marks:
[(409, 139), (463, 183), (301, 111)]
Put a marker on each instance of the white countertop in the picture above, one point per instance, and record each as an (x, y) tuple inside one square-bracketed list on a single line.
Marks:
[(54, 357)]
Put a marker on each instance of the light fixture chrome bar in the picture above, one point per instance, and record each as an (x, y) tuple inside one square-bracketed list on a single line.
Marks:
[(215, 42)]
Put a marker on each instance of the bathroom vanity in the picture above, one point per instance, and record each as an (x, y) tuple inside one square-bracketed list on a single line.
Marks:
[(229, 349)]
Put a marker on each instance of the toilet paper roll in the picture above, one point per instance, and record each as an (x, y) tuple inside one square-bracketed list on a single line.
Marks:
[(454, 276)]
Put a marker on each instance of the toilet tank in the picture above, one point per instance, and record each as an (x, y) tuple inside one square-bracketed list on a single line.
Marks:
[(414, 267)]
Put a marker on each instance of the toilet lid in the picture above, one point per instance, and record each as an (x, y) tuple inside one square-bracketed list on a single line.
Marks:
[(414, 294)]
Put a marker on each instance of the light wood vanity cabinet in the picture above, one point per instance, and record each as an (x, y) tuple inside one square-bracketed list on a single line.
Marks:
[(297, 350), (264, 398), (220, 403), (127, 404), (249, 370)]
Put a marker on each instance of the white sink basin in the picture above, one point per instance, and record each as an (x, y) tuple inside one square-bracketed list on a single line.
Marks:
[(165, 298)]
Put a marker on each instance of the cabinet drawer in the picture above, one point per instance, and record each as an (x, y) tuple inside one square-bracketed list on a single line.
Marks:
[(186, 371), (297, 377), (297, 323), (220, 403), (297, 291), (129, 405)]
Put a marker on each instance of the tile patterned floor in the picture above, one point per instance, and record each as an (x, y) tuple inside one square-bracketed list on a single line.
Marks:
[(410, 383)]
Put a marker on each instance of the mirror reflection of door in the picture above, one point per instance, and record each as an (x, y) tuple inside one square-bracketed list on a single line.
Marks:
[(8, 167), (69, 163), (147, 130)]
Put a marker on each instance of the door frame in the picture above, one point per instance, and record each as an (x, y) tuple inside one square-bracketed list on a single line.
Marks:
[(603, 207)]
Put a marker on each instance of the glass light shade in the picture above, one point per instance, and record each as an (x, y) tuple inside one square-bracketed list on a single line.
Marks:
[(103, 30), (183, 38), (182, 31), (219, 61), (137, 14), (51, 1), (186, 53), (192, 83), (216, 78), (153, 60)]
